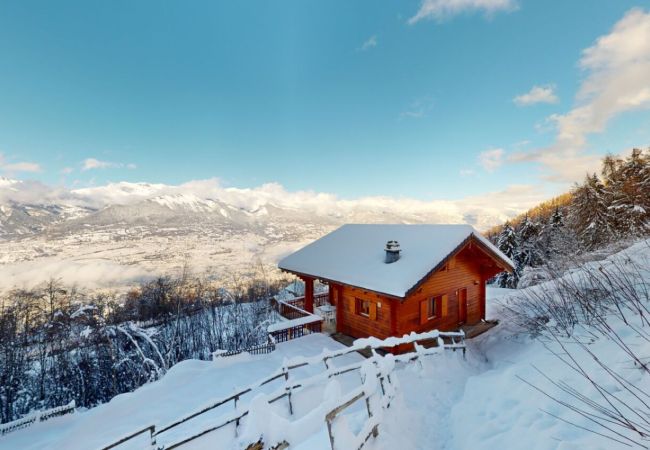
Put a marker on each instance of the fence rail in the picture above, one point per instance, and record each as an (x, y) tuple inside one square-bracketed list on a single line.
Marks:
[(320, 299), (300, 321), (40, 416), (259, 349), (456, 341), (292, 332)]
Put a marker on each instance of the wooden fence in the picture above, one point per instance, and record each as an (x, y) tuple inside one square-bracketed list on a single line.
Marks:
[(260, 349), (320, 299), (293, 332), (40, 416), (445, 341), (299, 324)]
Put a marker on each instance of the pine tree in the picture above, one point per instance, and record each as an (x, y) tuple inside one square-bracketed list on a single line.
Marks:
[(590, 214), (627, 195), (528, 252), (507, 243), (551, 238)]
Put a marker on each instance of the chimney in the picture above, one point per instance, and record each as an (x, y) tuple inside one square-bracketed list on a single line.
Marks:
[(392, 252)]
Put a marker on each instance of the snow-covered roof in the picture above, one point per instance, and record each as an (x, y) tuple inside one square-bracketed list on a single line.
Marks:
[(354, 255)]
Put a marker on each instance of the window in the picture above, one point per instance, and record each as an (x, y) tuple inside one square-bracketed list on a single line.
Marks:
[(432, 307), (363, 307)]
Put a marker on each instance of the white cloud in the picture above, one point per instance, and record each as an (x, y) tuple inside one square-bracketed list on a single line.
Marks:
[(442, 9), (617, 81), (481, 211), (89, 273), (67, 170), (537, 94), (491, 159), (21, 166), (92, 163), (417, 108), (467, 172), (369, 43)]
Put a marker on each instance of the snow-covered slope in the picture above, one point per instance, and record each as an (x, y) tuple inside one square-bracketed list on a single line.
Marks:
[(483, 401)]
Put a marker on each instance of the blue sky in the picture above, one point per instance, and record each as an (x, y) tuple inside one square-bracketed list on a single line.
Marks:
[(356, 98)]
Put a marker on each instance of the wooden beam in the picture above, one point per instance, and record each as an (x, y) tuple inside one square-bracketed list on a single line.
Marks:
[(339, 308), (309, 294)]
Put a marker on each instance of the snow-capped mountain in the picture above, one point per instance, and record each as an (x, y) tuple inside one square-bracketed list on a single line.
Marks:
[(124, 231)]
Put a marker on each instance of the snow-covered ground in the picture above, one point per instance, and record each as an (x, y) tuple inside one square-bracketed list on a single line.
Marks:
[(448, 402)]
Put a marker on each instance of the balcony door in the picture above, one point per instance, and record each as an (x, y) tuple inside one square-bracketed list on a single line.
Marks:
[(461, 295)]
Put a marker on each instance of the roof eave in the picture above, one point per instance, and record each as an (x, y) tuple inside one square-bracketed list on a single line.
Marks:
[(459, 247), (328, 280)]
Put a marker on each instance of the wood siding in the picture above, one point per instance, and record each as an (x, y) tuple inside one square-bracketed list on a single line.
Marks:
[(388, 316), (354, 324), (461, 272)]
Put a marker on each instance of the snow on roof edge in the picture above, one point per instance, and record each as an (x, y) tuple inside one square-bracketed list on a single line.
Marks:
[(485, 241), (309, 253)]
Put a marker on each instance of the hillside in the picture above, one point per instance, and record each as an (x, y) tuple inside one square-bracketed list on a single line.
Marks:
[(511, 390), (601, 211)]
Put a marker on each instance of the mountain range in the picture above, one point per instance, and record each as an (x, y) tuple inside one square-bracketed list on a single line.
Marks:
[(113, 235)]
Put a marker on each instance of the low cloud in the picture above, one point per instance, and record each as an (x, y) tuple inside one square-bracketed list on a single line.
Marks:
[(481, 211), (90, 274), (491, 159), (537, 94), (21, 166), (443, 9)]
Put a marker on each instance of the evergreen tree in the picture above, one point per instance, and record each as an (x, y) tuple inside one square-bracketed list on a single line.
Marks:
[(507, 243), (590, 213), (551, 238), (628, 198), (528, 252)]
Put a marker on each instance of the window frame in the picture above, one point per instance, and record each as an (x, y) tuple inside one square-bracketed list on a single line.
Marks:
[(360, 307), (433, 305)]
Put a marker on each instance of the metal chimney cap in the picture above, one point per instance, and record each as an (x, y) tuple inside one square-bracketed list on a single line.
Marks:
[(392, 252), (392, 246)]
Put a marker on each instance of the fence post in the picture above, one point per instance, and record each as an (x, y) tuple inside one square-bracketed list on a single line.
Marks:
[(236, 421), (287, 387), (152, 437)]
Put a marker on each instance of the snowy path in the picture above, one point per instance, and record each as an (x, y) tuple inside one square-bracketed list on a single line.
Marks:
[(434, 411), (422, 418)]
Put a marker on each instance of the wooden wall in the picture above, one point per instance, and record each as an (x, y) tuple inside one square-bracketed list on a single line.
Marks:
[(349, 322), (469, 269), (461, 272)]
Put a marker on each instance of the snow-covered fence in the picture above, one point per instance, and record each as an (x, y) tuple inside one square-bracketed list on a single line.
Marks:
[(291, 329), (260, 349), (151, 430), (320, 299), (39, 416), (299, 324), (376, 368)]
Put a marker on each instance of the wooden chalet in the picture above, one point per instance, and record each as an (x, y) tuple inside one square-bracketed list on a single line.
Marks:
[(390, 280)]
